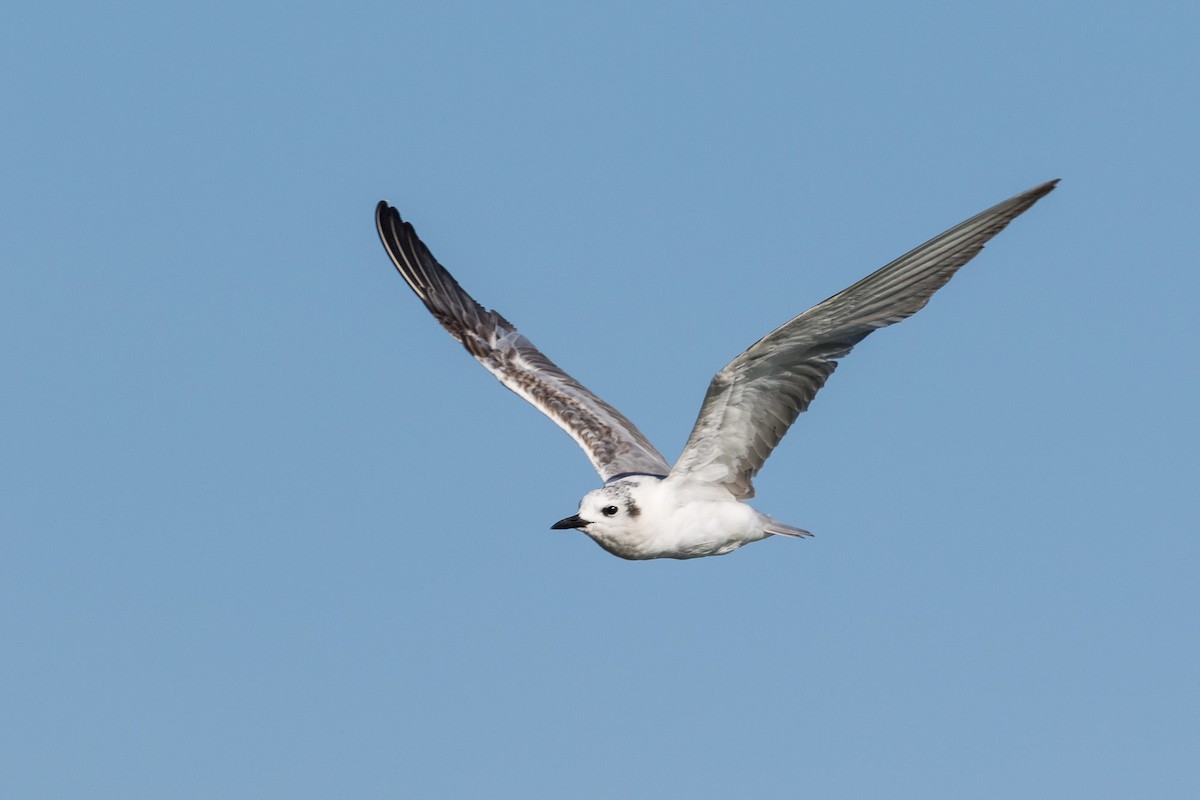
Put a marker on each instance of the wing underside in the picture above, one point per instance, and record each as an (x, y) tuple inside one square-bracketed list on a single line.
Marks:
[(751, 403)]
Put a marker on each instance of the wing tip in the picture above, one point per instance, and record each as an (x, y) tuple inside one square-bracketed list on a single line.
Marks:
[(1045, 189), (1005, 212), (386, 215), (1028, 198), (404, 248)]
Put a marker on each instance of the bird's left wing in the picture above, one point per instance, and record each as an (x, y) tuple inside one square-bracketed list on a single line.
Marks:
[(613, 443), (752, 402)]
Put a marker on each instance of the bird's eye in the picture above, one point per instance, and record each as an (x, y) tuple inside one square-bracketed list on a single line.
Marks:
[(608, 511)]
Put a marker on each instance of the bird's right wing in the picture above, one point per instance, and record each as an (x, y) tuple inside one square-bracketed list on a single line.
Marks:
[(754, 400), (613, 443)]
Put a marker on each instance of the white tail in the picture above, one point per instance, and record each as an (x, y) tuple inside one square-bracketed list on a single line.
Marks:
[(776, 527)]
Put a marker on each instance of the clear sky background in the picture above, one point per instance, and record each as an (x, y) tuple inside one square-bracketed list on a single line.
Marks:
[(267, 532)]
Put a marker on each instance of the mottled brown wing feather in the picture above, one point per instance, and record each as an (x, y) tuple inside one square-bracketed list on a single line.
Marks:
[(612, 443)]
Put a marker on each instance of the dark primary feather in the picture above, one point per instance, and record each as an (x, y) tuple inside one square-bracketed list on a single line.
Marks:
[(613, 443), (752, 402)]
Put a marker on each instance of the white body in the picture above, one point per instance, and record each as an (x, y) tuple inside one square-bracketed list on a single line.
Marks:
[(659, 518)]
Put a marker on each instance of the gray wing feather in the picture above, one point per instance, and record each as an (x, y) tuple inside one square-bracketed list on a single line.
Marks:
[(613, 443), (752, 402)]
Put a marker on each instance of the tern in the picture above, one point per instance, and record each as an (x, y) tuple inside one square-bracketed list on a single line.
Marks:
[(646, 508)]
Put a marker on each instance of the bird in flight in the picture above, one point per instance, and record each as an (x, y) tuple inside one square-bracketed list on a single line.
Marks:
[(647, 508)]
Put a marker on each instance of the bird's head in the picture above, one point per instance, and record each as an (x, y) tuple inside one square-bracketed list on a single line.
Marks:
[(613, 515)]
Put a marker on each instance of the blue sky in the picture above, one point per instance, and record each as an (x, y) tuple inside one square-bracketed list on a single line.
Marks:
[(268, 532)]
